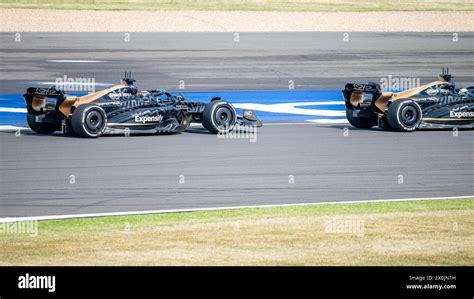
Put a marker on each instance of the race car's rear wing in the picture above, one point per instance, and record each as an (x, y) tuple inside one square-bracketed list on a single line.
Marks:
[(354, 92), (445, 76), (36, 99)]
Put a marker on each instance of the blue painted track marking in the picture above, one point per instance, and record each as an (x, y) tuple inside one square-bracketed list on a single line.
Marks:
[(324, 100)]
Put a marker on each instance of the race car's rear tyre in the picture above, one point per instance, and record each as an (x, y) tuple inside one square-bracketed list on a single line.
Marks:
[(89, 120), (360, 122), (42, 128), (404, 115), (219, 117)]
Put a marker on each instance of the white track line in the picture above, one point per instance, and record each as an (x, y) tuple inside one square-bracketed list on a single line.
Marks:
[(75, 61), (329, 121), (11, 128), (8, 128), (292, 108), (14, 110), (286, 124), (94, 215)]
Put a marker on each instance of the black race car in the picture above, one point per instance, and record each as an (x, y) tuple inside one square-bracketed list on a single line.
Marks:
[(123, 109), (439, 104)]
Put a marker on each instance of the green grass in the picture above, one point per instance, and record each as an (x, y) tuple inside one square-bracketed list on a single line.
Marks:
[(247, 5), (396, 233), (154, 220)]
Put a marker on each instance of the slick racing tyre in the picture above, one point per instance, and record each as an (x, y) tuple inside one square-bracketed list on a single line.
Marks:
[(89, 120), (219, 117), (42, 128), (360, 122), (404, 115)]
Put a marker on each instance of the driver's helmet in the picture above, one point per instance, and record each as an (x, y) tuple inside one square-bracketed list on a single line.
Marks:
[(132, 89), (465, 92), (179, 97)]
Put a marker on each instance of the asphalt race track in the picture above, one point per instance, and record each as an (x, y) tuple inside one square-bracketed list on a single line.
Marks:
[(197, 169), (287, 163)]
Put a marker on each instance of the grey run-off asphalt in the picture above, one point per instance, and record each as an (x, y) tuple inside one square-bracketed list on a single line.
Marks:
[(215, 61)]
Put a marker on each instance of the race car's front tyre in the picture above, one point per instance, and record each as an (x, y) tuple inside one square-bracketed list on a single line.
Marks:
[(360, 122), (89, 120), (404, 115), (219, 117), (42, 128)]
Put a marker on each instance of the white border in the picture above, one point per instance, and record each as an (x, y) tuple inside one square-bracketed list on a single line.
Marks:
[(93, 215)]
